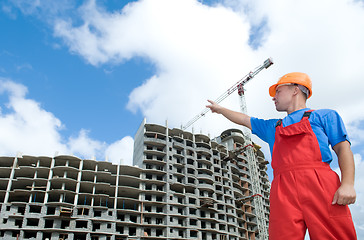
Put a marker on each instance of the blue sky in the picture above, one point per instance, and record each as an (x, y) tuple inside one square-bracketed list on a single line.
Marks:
[(82, 95), (78, 78)]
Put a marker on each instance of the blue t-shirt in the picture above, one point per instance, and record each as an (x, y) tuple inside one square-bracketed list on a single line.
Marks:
[(326, 124)]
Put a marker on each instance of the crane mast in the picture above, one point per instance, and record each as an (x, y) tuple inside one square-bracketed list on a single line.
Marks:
[(239, 85)]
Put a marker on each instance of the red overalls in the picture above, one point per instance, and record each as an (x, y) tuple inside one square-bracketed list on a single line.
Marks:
[(303, 189)]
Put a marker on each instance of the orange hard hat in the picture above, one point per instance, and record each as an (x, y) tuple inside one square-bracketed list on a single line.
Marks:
[(294, 77)]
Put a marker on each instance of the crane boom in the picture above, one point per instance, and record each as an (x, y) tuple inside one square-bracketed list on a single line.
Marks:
[(267, 63)]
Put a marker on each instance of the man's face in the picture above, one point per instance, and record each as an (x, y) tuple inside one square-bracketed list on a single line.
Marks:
[(283, 97)]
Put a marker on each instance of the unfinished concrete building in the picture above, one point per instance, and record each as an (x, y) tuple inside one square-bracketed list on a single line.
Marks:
[(184, 186)]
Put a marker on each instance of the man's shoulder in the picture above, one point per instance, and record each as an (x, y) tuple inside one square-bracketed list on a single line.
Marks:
[(322, 113), (325, 118)]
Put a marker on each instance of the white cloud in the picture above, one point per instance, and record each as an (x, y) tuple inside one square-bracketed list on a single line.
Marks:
[(120, 152), (200, 51), (29, 129), (83, 145)]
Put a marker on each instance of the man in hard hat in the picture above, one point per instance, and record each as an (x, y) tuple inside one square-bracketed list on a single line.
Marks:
[(305, 192)]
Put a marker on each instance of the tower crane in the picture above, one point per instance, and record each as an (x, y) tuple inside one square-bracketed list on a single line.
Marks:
[(237, 86), (252, 163)]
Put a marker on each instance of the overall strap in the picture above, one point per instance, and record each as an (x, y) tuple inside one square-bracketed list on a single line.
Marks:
[(279, 123), (307, 115)]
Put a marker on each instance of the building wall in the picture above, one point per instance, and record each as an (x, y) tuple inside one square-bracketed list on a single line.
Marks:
[(184, 186), (205, 169)]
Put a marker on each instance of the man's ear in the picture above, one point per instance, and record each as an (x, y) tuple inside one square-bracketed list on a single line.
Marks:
[(296, 90)]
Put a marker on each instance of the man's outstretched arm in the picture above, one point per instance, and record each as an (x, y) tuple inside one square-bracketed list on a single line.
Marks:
[(236, 117)]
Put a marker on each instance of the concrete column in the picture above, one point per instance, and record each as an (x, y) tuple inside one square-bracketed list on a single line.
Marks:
[(50, 176), (78, 183), (15, 163)]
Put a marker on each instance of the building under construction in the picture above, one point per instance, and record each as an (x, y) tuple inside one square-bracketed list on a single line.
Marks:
[(183, 186)]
